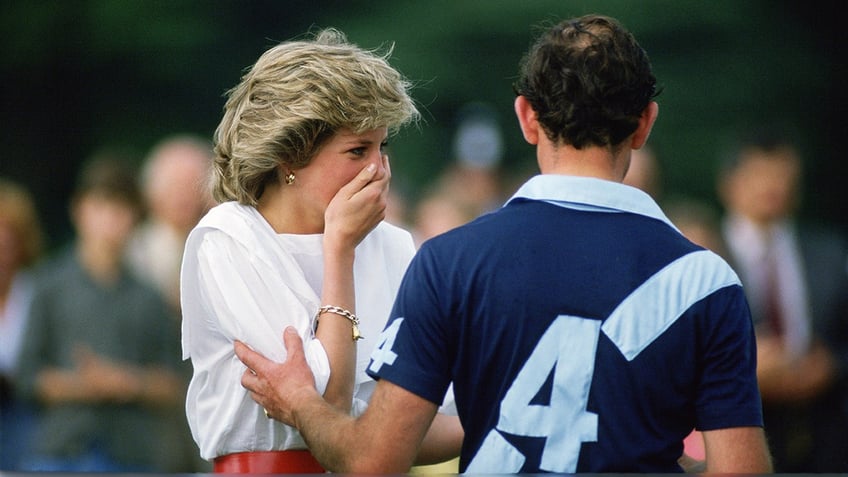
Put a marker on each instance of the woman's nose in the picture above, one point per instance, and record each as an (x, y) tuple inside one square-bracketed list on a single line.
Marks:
[(377, 160)]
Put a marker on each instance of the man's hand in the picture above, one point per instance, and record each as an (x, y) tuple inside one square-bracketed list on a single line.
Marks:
[(384, 440), (278, 387), (95, 378), (106, 380), (792, 379)]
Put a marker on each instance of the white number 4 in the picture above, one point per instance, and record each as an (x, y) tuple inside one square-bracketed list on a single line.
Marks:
[(564, 422), (383, 353)]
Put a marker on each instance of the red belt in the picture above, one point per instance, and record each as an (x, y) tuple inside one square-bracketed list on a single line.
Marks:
[(268, 462)]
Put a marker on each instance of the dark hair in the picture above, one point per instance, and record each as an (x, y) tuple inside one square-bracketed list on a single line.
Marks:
[(769, 138), (110, 173), (588, 80)]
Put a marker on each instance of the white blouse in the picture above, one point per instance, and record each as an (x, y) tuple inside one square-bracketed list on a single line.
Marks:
[(241, 280)]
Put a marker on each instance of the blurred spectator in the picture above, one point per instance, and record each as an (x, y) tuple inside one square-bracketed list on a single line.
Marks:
[(175, 183), (397, 209), (99, 348), (471, 185), (20, 249), (797, 283), (436, 213), (698, 221), (644, 172), (176, 186), (473, 180)]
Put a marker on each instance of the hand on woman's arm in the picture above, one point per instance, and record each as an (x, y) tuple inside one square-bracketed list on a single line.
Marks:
[(384, 440)]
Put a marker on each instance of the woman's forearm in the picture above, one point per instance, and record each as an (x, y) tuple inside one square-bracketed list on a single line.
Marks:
[(335, 331)]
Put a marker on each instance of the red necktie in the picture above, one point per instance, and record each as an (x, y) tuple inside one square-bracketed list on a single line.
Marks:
[(773, 313)]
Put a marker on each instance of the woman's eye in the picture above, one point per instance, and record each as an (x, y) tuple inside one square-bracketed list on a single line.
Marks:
[(363, 150)]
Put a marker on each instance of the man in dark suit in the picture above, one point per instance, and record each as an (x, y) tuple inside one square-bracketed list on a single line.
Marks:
[(796, 280)]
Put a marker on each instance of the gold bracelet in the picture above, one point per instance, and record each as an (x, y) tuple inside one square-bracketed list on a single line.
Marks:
[(354, 321)]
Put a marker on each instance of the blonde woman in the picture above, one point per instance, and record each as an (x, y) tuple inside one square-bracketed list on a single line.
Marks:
[(302, 180)]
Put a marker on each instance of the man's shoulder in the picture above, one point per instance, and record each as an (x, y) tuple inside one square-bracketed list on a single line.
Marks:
[(822, 235), (60, 269)]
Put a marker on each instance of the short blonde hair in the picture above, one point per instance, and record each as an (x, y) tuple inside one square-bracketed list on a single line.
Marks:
[(17, 210), (296, 96)]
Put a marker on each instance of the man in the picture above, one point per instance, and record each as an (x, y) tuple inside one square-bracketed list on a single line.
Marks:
[(581, 331), (174, 181), (99, 355), (795, 276), (175, 184)]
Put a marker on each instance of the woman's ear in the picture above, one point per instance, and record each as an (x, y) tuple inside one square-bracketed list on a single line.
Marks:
[(527, 120)]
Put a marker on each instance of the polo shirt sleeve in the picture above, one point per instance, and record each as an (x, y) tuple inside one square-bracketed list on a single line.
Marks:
[(728, 395), (413, 351)]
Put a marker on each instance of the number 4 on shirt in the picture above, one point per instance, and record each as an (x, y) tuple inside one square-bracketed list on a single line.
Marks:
[(383, 353), (564, 422)]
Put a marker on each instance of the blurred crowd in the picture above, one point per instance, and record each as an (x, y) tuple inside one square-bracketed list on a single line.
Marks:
[(92, 379), (795, 276), (90, 369)]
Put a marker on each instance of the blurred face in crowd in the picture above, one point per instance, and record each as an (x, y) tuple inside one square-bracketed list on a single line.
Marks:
[(764, 185), (104, 222), (176, 189), (644, 172), (10, 250)]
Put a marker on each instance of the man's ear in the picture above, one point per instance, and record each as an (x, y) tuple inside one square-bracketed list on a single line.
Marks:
[(646, 123), (527, 120)]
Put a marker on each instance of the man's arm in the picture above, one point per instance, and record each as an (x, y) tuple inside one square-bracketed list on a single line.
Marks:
[(738, 450), (442, 442), (385, 439)]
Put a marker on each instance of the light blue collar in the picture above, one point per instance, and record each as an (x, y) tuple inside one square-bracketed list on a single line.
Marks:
[(587, 193)]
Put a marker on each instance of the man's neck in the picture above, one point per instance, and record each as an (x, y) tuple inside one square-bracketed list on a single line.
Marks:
[(101, 262), (593, 161)]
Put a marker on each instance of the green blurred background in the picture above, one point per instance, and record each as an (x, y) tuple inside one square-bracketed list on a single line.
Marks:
[(79, 75)]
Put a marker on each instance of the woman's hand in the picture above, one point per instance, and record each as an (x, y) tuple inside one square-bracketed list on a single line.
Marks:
[(357, 207)]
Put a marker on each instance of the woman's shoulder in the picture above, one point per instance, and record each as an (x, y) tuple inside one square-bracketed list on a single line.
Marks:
[(227, 215), (241, 223)]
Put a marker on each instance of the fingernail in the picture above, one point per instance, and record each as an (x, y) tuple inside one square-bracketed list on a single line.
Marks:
[(371, 167)]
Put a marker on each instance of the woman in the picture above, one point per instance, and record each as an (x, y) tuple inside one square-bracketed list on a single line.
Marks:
[(303, 181), (20, 250)]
